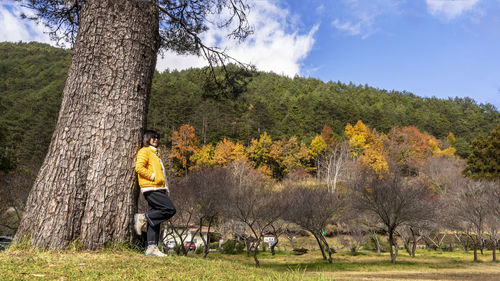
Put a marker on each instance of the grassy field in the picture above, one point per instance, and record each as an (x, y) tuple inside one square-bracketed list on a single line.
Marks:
[(133, 265)]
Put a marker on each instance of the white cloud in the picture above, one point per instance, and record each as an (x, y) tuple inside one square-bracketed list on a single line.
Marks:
[(13, 28), (347, 26), (359, 18), (276, 44), (450, 9)]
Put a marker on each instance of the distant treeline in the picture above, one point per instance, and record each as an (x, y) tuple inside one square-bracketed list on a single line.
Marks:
[(239, 105)]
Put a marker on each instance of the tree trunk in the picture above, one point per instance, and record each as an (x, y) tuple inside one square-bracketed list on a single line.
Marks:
[(86, 187), (320, 245), (255, 250), (414, 248), (475, 252), (273, 246), (248, 246), (328, 249), (290, 241), (495, 245), (393, 246), (377, 244)]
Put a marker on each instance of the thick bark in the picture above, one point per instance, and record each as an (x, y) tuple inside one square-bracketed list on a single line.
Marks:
[(86, 186)]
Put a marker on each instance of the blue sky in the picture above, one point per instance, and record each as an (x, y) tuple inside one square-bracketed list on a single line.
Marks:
[(442, 48)]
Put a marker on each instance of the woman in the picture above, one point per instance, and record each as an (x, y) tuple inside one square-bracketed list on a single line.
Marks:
[(153, 183)]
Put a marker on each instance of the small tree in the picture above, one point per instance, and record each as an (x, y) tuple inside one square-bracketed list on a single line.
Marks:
[(209, 188), (313, 208), (493, 220), (253, 203), (469, 205), (393, 200), (178, 225)]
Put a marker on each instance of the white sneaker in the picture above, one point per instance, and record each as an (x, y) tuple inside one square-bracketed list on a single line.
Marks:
[(139, 223), (153, 251)]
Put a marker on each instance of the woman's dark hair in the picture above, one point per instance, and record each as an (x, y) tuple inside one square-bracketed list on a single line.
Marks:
[(148, 135)]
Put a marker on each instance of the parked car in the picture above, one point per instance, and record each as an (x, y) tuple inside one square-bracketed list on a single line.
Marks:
[(190, 246), (4, 242), (171, 244)]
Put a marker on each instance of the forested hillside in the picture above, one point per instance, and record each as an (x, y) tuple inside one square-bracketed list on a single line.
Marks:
[(32, 77)]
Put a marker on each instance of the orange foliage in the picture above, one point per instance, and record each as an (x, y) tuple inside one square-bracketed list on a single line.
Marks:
[(227, 151), (184, 144)]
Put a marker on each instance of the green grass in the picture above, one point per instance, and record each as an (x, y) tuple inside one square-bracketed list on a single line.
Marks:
[(120, 263)]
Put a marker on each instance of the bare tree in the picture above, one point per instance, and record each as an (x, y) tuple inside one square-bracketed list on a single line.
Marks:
[(209, 188), (411, 235), (393, 200), (355, 235), (493, 219), (291, 230), (313, 208), (178, 225), (468, 203), (86, 186), (334, 165), (253, 202)]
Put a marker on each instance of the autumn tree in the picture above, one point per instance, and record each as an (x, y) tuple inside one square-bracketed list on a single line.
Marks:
[(366, 147), (203, 157), (227, 151), (328, 136), (317, 149), (85, 188), (258, 152), (409, 148), (184, 144), (287, 156)]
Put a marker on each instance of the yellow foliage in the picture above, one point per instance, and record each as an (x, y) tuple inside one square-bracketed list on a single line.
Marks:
[(375, 160), (365, 146), (360, 138), (227, 151), (451, 139), (203, 157), (318, 145), (259, 149), (437, 151)]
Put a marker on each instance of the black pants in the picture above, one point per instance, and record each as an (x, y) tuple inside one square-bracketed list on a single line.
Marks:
[(160, 209)]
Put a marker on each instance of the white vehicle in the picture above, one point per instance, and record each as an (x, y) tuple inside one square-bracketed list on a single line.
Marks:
[(171, 244)]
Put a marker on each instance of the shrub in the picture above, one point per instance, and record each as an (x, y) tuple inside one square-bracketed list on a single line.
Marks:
[(228, 246), (370, 244), (214, 245), (300, 251), (239, 247), (199, 250)]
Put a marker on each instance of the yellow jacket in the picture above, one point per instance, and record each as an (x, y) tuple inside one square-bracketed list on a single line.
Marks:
[(146, 164)]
